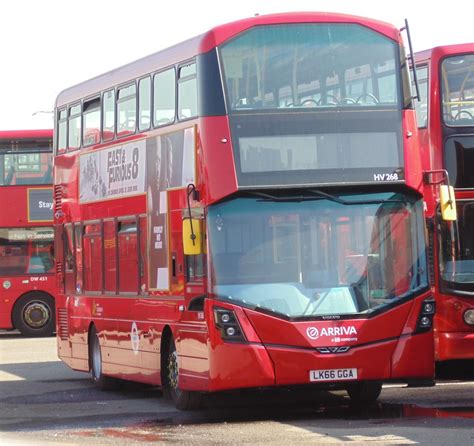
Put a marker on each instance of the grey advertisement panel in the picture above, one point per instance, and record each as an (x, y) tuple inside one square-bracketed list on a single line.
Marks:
[(40, 204), (114, 172)]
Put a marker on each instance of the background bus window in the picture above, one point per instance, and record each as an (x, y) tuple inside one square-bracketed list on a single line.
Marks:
[(421, 106), (164, 97), (187, 92), (110, 256), (91, 120), (126, 110), (62, 131), (74, 127), (144, 103), (92, 257), (108, 115), (26, 251), (128, 257), (457, 90)]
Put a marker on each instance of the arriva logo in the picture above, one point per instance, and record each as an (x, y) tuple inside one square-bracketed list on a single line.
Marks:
[(314, 333)]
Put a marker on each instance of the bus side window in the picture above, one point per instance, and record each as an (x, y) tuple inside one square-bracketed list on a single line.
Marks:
[(421, 106), (144, 103), (142, 252), (91, 121), (164, 97), (74, 127), (187, 92), (128, 256), (92, 257), (195, 268), (78, 258), (108, 115), (69, 259), (126, 110), (110, 256), (62, 131)]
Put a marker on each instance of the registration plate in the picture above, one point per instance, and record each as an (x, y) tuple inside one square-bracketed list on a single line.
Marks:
[(332, 375)]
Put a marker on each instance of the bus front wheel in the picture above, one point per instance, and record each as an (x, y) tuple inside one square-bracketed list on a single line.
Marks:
[(182, 399), (95, 363), (33, 315), (365, 392)]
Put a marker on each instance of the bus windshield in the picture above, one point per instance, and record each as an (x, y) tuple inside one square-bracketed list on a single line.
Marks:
[(457, 85), (311, 257), (310, 65), (26, 251), (457, 249), (25, 165)]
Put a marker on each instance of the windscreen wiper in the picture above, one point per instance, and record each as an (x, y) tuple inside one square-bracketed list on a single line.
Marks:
[(293, 198), (339, 200)]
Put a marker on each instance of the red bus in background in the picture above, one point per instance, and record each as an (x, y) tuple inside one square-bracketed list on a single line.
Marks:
[(27, 280), (245, 210), (446, 127)]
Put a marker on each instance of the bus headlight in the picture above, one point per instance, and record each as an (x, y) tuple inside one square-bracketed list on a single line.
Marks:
[(425, 318), (469, 317), (228, 325)]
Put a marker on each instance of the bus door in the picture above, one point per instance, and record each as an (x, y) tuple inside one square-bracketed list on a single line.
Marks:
[(192, 346)]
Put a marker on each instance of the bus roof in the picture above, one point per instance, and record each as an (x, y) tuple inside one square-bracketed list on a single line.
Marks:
[(26, 134), (444, 50), (205, 42)]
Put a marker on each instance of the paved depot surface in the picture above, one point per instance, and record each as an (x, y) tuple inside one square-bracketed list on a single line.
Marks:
[(43, 402)]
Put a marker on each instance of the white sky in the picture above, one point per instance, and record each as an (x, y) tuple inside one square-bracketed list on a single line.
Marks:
[(49, 45)]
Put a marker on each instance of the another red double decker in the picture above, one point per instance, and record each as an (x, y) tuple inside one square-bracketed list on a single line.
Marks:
[(245, 210), (27, 280), (446, 127)]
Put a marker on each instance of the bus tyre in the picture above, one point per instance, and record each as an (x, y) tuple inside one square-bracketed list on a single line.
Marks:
[(33, 315), (182, 399), (365, 392), (95, 363)]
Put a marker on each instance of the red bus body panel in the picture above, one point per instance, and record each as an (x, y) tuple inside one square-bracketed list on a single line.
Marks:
[(14, 214), (454, 339)]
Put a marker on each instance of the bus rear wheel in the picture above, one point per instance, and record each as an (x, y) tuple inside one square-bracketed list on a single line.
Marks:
[(182, 399), (365, 392), (33, 315), (95, 363)]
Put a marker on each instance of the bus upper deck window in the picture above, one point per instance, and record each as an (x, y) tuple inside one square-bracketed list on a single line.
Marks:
[(187, 92), (62, 131), (108, 115), (91, 119), (126, 110), (74, 127), (164, 97), (144, 103)]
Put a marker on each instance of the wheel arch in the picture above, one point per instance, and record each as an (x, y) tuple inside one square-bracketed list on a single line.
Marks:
[(167, 334), (91, 328)]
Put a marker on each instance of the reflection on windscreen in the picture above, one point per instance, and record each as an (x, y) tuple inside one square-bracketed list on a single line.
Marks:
[(458, 90), (457, 249), (319, 257), (26, 251), (310, 65)]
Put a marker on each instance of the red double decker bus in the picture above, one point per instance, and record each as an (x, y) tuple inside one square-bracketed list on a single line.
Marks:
[(245, 210), (446, 127), (27, 280)]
